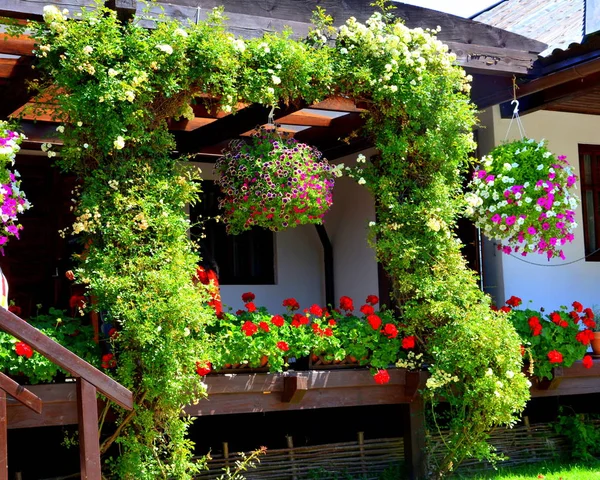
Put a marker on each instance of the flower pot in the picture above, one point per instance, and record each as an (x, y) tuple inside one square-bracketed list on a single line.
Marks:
[(321, 362), (596, 343)]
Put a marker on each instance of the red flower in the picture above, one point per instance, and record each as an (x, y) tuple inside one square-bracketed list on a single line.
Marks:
[(277, 320), (367, 309), (588, 362), (303, 319), (505, 309), (332, 323), (283, 346), (203, 368), (249, 328), (390, 330), (264, 326), (408, 342), (113, 333), (494, 308), (535, 325), (574, 316), (328, 332), (563, 323), (555, 356), (585, 336), (381, 377), (514, 301), (295, 322), (555, 317), (108, 361), (589, 313), (77, 301), (15, 309), (291, 303), (374, 321), (346, 303), (588, 322), (239, 312), (316, 310), (578, 307), (248, 297), (522, 350), (251, 307), (23, 350), (373, 299)]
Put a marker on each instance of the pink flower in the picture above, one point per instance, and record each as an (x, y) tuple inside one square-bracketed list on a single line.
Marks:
[(531, 230), (496, 218), (511, 220)]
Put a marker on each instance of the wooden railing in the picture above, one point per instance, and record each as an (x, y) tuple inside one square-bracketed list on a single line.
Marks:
[(89, 381)]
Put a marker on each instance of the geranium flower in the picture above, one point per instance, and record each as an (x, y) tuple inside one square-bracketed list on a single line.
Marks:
[(578, 307), (109, 361), (374, 321), (555, 356), (328, 332), (203, 368), (250, 307), (585, 336), (381, 377), (372, 299), (367, 309), (23, 350), (390, 331), (249, 328), (283, 346), (514, 301), (555, 317), (346, 303), (291, 303), (77, 301), (588, 362), (248, 297), (277, 320), (316, 310), (408, 342), (15, 309), (264, 326)]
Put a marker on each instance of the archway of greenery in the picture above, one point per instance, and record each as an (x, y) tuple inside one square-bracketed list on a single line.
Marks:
[(117, 84)]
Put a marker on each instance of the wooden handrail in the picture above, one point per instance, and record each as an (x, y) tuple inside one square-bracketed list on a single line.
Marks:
[(65, 359), (20, 393)]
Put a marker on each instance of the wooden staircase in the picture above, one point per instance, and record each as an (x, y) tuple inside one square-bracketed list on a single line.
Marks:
[(89, 381)]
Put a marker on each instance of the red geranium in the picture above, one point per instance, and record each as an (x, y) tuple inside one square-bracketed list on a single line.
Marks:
[(574, 316), (15, 309), (251, 307), (77, 301), (522, 350), (264, 326), (505, 309), (203, 368), (239, 312), (390, 330), (381, 377), (295, 322), (367, 309), (408, 342), (588, 362), (555, 317), (277, 320), (374, 321), (249, 328), (283, 346), (589, 313), (578, 307), (108, 361), (291, 303), (328, 332), (535, 325), (23, 350), (113, 333), (316, 310), (514, 301), (555, 356), (248, 297), (346, 303), (585, 336), (373, 299)]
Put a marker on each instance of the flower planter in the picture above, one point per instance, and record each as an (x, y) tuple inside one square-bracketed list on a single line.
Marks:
[(596, 344), (322, 362)]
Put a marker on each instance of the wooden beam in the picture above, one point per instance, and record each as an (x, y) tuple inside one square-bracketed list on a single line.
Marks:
[(295, 387), (20, 393), (3, 437), (16, 45), (492, 60), (64, 358), (89, 444), (14, 67), (60, 407), (125, 8), (414, 439), (306, 118)]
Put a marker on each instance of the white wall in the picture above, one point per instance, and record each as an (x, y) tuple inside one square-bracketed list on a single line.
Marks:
[(299, 254), (556, 282)]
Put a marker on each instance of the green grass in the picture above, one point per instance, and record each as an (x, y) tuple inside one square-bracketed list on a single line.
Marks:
[(547, 471)]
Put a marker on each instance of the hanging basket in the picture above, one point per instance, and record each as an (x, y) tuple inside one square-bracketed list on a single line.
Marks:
[(522, 196), (273, 181)]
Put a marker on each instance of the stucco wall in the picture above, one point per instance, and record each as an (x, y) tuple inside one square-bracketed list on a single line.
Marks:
[(299, 254), (556, 282)]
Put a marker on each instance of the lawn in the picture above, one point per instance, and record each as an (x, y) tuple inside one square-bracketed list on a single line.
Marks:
[(548, 471)]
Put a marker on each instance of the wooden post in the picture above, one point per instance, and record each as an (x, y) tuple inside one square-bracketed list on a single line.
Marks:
[(290, 444), (89, 445), (3, 437), (226, 453), (414, 438), (361, 448)]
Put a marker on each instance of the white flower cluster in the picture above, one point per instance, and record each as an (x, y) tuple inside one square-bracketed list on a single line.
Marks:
[(439, 378)]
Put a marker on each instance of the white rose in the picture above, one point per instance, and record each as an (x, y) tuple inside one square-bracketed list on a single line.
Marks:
[(168, 49), (119, 143), (88, 49)]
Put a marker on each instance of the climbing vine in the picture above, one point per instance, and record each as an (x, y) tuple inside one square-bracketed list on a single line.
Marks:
[(117, 84)]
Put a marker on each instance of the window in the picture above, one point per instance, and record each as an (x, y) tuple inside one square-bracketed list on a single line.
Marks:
[(245, 259), (589, 167)]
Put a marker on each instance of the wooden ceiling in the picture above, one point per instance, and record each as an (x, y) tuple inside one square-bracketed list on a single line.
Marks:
[(331, 125)]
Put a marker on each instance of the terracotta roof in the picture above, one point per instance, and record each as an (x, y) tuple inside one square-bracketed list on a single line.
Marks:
[(558, 23)]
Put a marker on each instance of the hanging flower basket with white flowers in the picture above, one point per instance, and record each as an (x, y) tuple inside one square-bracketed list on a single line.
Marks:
[(12, 199), (275, 182), (522, 196)]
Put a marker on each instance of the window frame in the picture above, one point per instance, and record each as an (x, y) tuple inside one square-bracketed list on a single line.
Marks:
[(594, 186)]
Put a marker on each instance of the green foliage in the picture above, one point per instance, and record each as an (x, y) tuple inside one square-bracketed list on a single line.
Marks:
[(61, 328), (582, 434), (244, 463), (117, 84)]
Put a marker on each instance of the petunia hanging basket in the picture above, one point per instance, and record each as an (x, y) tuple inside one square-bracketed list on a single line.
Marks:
[(12, 199), (522, 196), (273, 181)]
